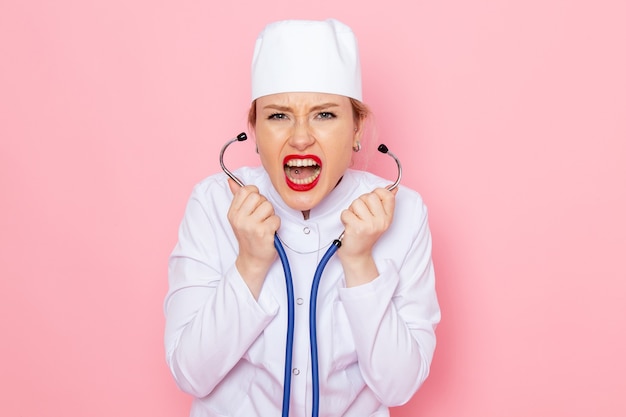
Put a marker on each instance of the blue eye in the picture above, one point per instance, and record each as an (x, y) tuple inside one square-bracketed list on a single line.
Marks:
[(326, 115), (277, 116)]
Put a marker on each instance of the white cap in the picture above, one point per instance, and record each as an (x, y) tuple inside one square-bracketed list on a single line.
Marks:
[(306, 56)]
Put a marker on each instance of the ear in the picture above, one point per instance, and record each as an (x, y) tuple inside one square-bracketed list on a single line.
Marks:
[(358, 132), (253, 137)]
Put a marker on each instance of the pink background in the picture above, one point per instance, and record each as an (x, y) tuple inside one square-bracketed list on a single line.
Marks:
[(509, 117)]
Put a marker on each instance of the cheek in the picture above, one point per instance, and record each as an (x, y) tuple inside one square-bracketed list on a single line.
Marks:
[(269, 163), (339, 159), (269, 156), (264, 143), (342, 149), (269, 139)]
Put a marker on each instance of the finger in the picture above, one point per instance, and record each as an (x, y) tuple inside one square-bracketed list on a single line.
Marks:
[(273, 222), (348, 217), (374, 205), (234, 187), (387, 199), (250, 202), (368, 207), (242, 194), (359, 209), (263, 211)]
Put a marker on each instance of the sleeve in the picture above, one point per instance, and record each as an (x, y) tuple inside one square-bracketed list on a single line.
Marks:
[(393, 320), (211, 316)]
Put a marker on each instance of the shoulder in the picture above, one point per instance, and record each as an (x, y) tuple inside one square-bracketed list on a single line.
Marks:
[(410, 215), (211, 188), (216, 186), (406, 197)]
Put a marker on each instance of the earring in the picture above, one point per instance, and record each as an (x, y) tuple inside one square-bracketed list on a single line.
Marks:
[(357, 146)]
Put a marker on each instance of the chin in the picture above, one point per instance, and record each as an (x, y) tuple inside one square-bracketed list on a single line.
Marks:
[(302, 200), (299, 200), (299, 205)]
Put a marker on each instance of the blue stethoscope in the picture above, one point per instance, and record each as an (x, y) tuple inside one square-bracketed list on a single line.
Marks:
[(314, 287)]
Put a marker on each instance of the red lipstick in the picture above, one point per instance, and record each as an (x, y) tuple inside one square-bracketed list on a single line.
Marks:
[(302, 172)]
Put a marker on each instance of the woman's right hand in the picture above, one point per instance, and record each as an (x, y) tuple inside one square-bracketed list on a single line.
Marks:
[(254, 223)]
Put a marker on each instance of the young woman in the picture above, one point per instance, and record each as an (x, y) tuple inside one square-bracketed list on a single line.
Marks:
[(226, 307)]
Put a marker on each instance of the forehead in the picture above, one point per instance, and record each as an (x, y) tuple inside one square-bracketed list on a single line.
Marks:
[(302, 100)]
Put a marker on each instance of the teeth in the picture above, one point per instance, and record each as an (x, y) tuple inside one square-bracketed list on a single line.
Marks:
[(295, 163), (301, 162), (304, 181)]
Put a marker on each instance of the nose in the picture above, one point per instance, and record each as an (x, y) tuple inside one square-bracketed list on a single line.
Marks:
[(301, 135)]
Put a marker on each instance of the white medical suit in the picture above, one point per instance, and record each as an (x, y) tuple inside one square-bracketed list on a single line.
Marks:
[(375, 341)]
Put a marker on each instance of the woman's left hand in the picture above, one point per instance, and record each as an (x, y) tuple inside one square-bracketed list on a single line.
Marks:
[(367, 218)]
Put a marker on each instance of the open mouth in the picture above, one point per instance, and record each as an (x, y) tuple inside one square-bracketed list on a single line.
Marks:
[(302, 172)]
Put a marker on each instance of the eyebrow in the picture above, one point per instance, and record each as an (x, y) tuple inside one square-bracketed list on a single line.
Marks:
[(314, 108)]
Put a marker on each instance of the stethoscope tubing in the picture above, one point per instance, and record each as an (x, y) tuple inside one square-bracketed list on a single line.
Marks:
[(290, 324), (313, 298), (284, 260), (315, 381)]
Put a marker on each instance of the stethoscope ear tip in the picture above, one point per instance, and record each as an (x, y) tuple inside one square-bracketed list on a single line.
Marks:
[(382, 148), (242, 136)]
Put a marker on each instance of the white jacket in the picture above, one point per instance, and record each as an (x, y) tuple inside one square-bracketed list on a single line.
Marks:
[(375, 341)]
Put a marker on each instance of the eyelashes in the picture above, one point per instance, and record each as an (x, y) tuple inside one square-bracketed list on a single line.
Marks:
[(320, 115), (277, 116)]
